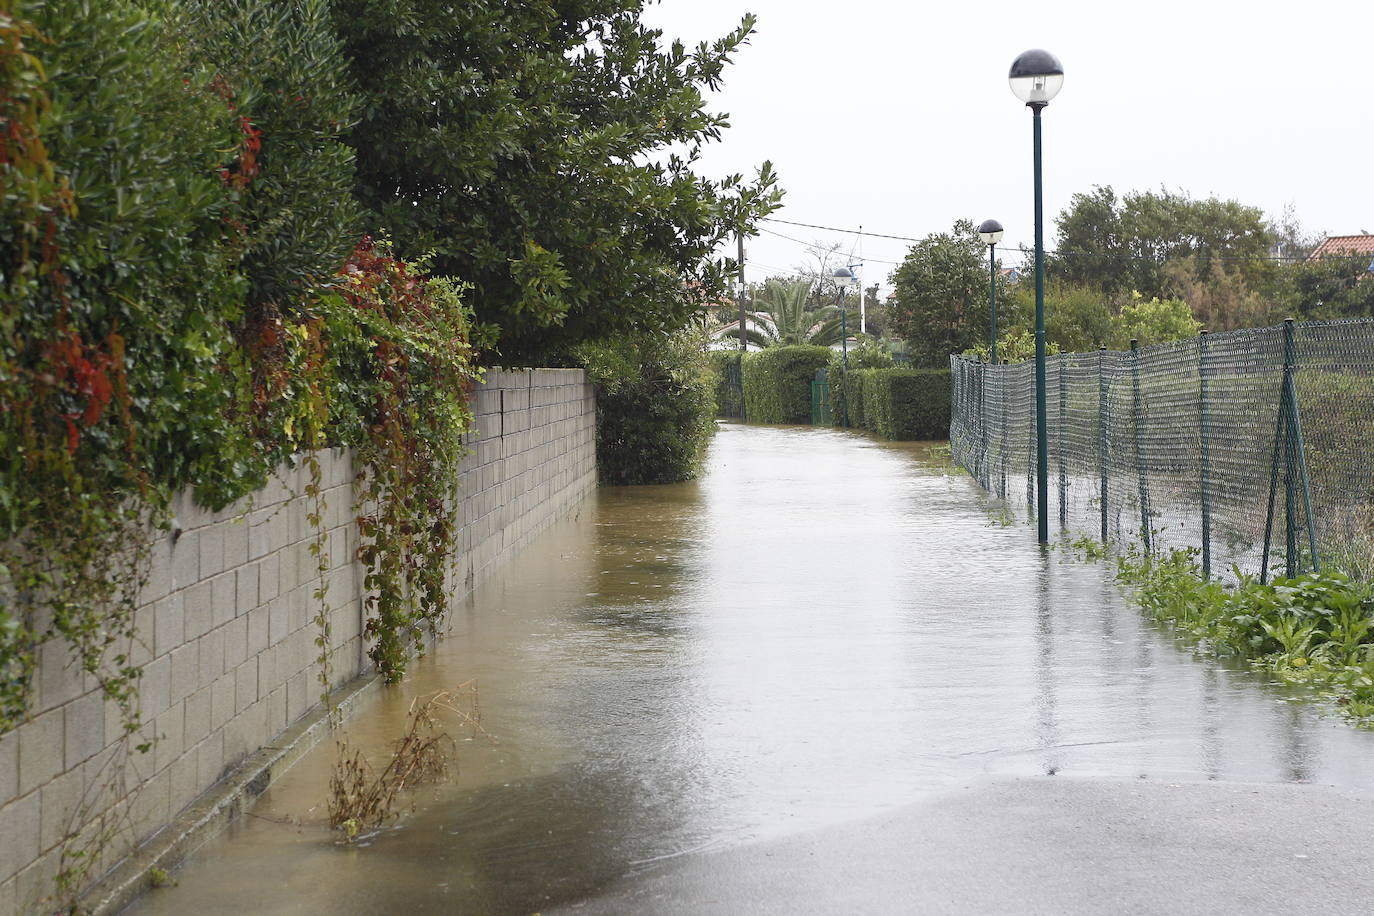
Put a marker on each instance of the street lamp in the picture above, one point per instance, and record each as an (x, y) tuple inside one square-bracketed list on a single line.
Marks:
[(844, 278), (1036, 77), (990, 231)]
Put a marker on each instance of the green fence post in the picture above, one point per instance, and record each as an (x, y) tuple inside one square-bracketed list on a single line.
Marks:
[(1006, 418), (1203, 424), (1297, 454), (1139, 461), (1102, 437), (1059, 443)]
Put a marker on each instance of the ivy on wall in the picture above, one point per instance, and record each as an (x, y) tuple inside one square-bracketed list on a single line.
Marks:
[(179, 307)]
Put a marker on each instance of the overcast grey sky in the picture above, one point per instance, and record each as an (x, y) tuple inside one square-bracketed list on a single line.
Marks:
[(898, 116)]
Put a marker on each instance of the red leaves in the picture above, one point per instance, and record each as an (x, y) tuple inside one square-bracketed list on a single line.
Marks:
[(84, 371), (246, 168)]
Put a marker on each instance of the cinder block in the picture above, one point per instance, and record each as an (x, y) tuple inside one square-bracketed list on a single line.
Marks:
[(197, 709), (151, 805), (186, 560), (235, 642), (235, 543), (59, 677), (211, 551), (159, 582), (155, 687), (197, 602), (210, 662), (222, 701), (40, 750), (9, 769), (258, 629), (276, 708), (185, 785), (170, 728), (269, 578), (222, 599), (279, 620), (169, 624), (246, 588), (59, 800), (245, 685), (19, 830), (185, 671)]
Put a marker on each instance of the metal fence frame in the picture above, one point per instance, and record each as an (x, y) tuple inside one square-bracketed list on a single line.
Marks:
[(1190, 444)]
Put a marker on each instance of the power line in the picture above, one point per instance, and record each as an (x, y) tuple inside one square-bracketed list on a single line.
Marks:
[(1233, 259), (813, 245)]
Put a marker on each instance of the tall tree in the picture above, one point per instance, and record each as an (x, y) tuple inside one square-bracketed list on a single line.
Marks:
[(544, 152), (942, 302), (1120, 245)]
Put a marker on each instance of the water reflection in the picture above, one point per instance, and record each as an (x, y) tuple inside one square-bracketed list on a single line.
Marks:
[(822, 628)]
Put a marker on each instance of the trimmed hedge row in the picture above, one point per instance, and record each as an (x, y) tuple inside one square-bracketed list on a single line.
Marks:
[(777, 383), (905, 404)]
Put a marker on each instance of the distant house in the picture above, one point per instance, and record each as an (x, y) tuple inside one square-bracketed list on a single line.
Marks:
[(1011, 274), (1345, 246), (719, 340)]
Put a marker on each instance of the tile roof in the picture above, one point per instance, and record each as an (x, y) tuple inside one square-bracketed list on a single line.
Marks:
[(1343, 246)]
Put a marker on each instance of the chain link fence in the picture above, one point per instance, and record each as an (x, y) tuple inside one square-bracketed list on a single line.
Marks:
[(1254, 446)]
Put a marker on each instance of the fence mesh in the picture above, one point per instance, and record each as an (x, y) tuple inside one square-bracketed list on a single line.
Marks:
[(1221, 443)]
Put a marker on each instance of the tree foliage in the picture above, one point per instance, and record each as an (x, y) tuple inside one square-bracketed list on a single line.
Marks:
[(544, 152), (783, 314), (1122, 244), (942, 304)]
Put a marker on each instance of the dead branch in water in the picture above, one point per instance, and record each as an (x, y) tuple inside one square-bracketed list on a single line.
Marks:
[(362, 799)]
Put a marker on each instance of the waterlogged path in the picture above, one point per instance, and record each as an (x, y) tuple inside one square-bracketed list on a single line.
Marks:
[(824, 679)]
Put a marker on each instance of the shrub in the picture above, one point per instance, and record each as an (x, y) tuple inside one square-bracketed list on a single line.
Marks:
[(725, 369), (777, 383), (907, 404), (654, 407)]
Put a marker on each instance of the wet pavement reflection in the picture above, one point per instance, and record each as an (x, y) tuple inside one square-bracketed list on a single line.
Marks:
[(822, 628)]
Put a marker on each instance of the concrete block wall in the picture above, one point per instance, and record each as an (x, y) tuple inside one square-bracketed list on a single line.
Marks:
[(226, 629)]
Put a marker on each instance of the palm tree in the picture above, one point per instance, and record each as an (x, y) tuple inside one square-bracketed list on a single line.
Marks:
[(780, 317)]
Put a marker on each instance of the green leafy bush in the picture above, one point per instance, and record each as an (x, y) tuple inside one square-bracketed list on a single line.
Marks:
[(725, 369), (777, 383), (654, 407)]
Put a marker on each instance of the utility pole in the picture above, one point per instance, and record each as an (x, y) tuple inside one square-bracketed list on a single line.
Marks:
[(863, 313), (739, 292), (743, 344)]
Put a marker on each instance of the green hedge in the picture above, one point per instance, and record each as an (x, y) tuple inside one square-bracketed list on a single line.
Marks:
[(777, 383), (907, 403), (724, 372)]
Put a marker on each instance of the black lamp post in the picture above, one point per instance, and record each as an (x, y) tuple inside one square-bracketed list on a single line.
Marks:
[(844, 278), (1036, 77), (990, 231)]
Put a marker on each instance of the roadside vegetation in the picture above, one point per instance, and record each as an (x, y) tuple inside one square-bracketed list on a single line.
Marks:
[(1315, 629)]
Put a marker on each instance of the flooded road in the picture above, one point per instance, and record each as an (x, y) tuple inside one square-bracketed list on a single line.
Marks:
[(823, 629)]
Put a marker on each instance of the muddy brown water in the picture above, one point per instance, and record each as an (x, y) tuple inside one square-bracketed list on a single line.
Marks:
[(822, 628)]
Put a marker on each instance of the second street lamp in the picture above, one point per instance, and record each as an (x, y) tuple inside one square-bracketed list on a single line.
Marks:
[(1035, 78), (990, 231)]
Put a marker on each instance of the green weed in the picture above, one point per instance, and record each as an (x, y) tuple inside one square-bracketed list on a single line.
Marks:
[(1315, 629)]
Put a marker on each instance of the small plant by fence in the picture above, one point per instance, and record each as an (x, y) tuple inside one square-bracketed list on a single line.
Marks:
[(1254, 447)]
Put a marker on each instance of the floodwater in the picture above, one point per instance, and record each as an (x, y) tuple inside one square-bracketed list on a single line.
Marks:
[(824, 627)]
